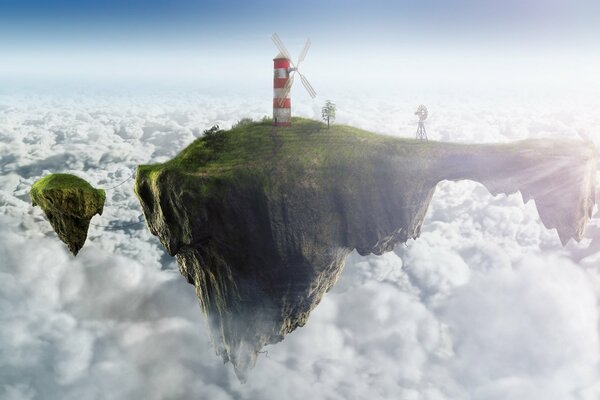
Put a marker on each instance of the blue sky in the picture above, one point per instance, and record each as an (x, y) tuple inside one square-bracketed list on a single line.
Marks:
[(73, 20), (218, 39)]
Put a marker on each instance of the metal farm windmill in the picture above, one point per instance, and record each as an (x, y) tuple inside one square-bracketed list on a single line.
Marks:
[(422, 114), (284, 74)]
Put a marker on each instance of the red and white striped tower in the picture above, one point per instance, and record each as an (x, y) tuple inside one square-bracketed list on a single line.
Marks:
[(282, 112)]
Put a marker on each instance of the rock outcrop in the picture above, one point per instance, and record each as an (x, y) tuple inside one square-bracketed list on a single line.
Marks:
[(69, 203), (261, 225)]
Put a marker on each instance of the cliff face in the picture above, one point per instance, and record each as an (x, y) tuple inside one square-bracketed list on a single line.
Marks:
[(263, 232), (69, 203)]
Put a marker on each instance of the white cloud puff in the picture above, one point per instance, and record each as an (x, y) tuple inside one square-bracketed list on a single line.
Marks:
[(99, 326), (537, 319)]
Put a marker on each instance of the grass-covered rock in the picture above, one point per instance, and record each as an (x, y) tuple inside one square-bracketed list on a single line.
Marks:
[(69, 203), (261, 220)]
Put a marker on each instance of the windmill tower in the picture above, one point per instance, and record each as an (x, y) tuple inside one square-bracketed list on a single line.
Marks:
[(284, 71), (422, 114)]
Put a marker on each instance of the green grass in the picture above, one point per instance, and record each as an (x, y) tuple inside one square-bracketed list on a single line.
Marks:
[(298, 152), (306, 145), (61, 181)]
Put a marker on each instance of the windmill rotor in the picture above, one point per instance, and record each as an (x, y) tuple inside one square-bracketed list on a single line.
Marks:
[(294, 67), (422, 112)]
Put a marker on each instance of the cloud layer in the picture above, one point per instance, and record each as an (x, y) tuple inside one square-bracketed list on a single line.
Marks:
[(485, 305)]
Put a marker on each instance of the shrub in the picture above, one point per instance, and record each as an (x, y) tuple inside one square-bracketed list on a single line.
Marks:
[(214, 138)]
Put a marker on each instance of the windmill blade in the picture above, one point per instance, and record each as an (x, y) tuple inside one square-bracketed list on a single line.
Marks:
[(307, 85), (302, 55), (286, 90), (279, 43)]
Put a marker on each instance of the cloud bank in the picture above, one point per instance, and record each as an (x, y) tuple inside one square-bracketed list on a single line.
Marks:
[(486, 304)]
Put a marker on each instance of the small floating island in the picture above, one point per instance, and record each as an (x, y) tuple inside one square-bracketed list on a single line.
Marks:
[(69, 203)]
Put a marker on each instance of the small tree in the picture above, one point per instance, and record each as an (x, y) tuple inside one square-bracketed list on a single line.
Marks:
[(328, 112)]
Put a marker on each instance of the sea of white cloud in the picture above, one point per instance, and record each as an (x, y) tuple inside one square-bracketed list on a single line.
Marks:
[(486, 304)]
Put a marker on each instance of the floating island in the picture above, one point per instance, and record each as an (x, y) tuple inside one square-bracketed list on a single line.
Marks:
[(261, 220), (69, 203)]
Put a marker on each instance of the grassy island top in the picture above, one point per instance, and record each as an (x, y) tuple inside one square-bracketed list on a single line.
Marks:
[(58, 191), (257, 145), (308, 146), (61, 181)]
